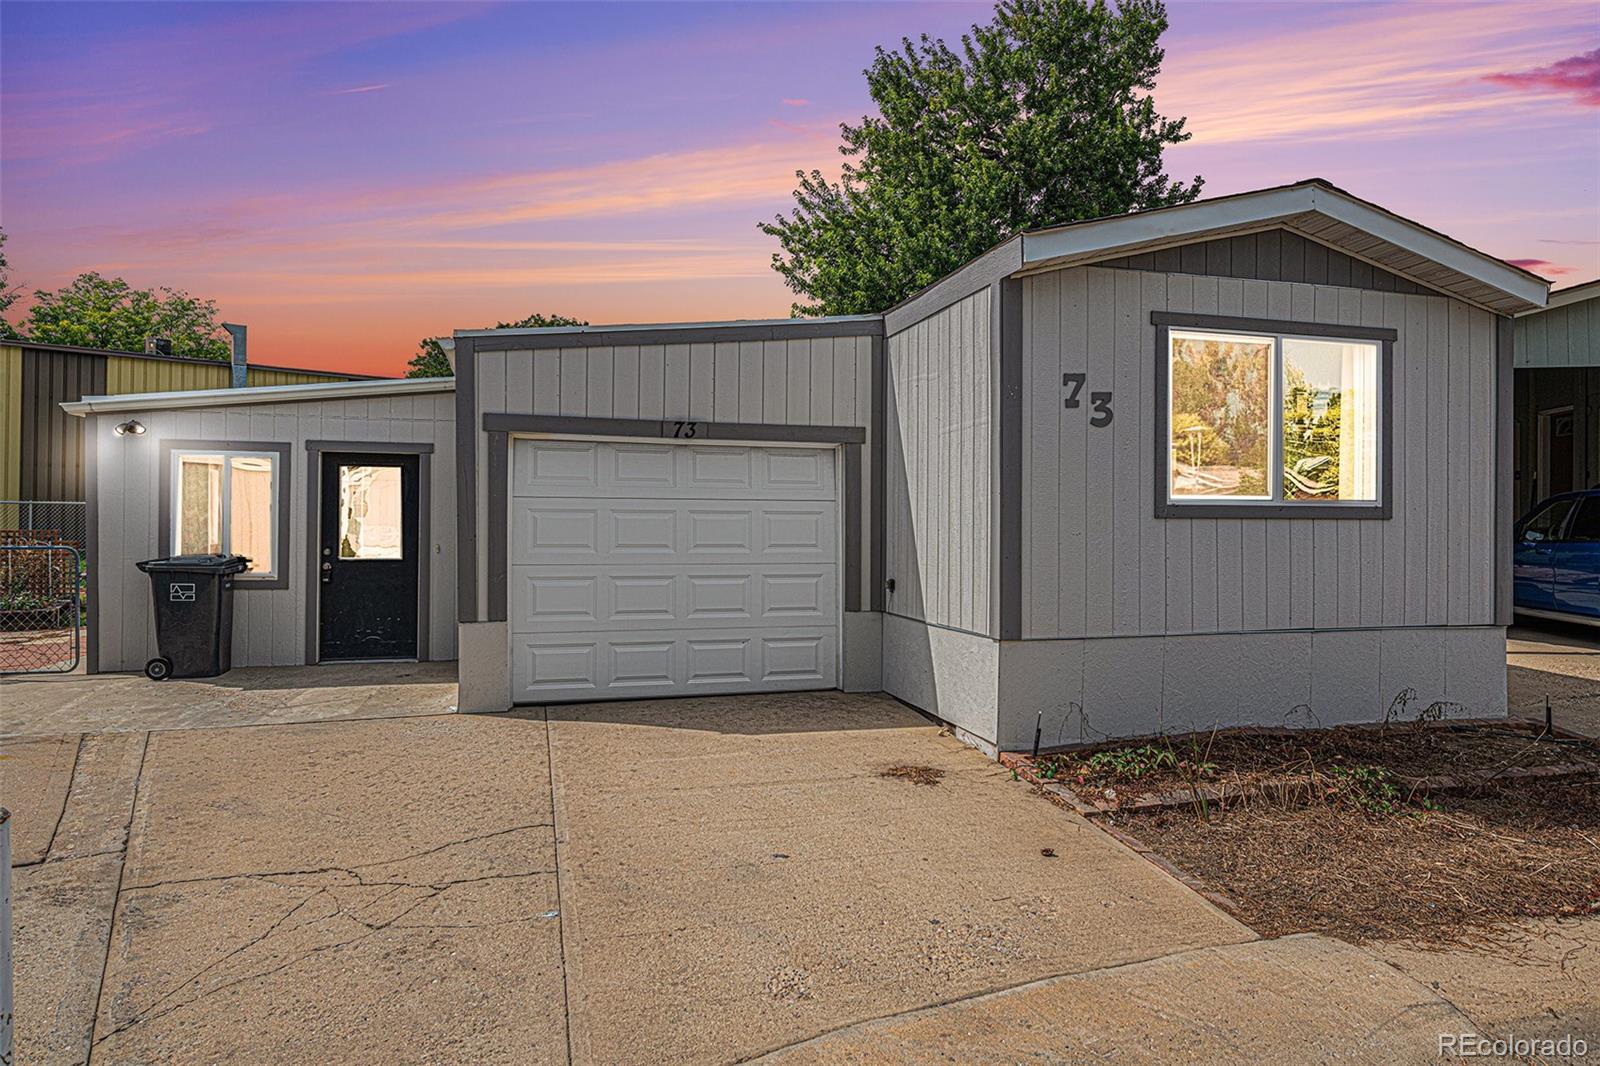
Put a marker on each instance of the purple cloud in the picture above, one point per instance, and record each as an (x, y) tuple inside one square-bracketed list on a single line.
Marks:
[(1542, 266), (1579, 75)]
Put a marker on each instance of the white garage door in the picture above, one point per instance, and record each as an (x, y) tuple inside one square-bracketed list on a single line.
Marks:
[(671, 569)]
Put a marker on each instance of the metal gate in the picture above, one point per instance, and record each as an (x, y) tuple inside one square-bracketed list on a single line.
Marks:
[(41, 608)]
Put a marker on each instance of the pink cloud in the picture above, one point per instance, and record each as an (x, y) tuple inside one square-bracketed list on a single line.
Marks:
[(795, 101), (1578, 75), (354, 90), (1542, 266)]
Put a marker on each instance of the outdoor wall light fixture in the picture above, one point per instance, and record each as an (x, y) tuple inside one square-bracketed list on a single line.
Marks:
[(132, 427)]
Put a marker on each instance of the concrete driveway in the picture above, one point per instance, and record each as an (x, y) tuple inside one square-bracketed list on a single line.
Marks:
[(1555, 662), (687, 880)]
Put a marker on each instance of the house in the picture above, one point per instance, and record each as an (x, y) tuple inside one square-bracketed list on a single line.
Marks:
[(1242, 461), (1557, 389), (42, 448)]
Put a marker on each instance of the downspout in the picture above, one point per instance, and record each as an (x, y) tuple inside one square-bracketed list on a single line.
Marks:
[(240, 366)]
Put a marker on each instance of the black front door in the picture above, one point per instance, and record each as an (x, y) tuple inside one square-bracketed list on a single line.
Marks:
[(369, 556)]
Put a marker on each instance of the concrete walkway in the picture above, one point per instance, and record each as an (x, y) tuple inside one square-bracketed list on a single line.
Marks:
[(687, 880), (116, 703)]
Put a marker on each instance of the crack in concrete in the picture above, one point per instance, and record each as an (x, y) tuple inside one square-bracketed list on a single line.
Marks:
[(116, 899), (428, 891), (66, 798), (349, 871)]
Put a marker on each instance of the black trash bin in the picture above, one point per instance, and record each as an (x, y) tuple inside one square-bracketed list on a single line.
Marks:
[(194, 614)]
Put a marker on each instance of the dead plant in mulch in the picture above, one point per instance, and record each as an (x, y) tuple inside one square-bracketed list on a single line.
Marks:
[(1450, 872), (917, 775)]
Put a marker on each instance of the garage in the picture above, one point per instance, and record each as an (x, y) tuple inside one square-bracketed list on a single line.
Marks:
[(643, 569)]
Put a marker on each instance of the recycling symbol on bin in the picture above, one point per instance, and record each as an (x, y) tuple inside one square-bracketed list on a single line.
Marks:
[(181, 592)]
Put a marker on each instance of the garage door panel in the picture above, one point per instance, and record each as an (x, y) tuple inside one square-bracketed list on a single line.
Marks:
[(620, 470), (609, 665), (690, 531), (640, 569), (548, 599)]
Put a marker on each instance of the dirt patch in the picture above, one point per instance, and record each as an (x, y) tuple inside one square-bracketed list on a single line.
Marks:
[(917, 775), (1508, 851)]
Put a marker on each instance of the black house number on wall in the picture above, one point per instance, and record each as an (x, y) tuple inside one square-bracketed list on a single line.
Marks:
[(1099, 401)]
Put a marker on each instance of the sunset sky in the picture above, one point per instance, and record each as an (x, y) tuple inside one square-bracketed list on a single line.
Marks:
[(349, 178)]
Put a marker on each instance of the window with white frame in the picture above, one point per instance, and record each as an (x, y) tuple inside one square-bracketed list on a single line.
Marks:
[(226, 502), (1272, 418)]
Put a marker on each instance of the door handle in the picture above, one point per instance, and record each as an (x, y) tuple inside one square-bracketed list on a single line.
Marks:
[(327, 573)]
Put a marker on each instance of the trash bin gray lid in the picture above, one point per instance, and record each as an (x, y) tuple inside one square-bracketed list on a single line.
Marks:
[(196, 564)]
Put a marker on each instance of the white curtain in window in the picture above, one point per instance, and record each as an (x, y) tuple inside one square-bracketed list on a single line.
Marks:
[(1358, 422)]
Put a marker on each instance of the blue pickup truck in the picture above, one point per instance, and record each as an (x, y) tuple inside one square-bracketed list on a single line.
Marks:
[(1557, 565)]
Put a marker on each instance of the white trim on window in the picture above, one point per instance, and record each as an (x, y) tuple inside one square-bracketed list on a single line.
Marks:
[(225, 538)]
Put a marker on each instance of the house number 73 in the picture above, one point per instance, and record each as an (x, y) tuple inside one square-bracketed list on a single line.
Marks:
[(1101, 401)]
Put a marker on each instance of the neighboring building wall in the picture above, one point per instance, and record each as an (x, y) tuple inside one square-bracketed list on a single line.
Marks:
[(800, 381), (1177, 613), (1558, 365), (50, 441), (10, 422), (269, 624), (129, 374)]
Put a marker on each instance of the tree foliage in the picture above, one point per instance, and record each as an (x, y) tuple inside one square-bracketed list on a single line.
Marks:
[(1042, 117), (431, 361), (99, 312), (8, 291)]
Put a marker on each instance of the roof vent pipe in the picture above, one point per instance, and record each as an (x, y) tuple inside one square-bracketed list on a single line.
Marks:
[(240, 373)]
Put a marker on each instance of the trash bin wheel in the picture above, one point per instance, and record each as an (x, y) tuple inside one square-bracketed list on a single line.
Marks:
[(158, 669)]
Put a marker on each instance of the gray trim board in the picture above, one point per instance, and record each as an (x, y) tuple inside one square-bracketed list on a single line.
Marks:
[(852, 527), (1008, 299), (1505, 489), (466, 482), (1185, 320), (314, 451), (384, 447), (880, 451), (795, 329), (91, 539), (284, 502), (499, 488), (501, 422), (1001, 261), (1164, 321)]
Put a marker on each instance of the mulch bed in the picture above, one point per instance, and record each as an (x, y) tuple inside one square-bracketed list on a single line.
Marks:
[(1507, 852), (1294, 763), (1431, 832)]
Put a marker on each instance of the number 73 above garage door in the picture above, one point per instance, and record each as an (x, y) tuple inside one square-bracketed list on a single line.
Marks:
[(642, 569)]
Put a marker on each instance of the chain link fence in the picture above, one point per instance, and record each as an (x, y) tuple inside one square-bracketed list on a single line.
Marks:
[(42, 587)]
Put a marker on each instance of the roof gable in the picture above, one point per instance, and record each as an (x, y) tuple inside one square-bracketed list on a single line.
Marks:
[(1314, 210)]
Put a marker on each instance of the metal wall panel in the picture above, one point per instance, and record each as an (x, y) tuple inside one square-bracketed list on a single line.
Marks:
[(1098, 563), (51, 442), (10, 422), (939, 547)]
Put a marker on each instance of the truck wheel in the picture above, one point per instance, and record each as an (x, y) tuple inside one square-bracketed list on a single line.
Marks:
[(158, 669)]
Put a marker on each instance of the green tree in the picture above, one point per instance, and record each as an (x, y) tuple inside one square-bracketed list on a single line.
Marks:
[(100, 312), (1043, 117), (8, 291), (431, 362)]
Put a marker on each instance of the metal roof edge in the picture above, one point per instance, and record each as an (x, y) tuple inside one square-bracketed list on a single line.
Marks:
[(257, 394)]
